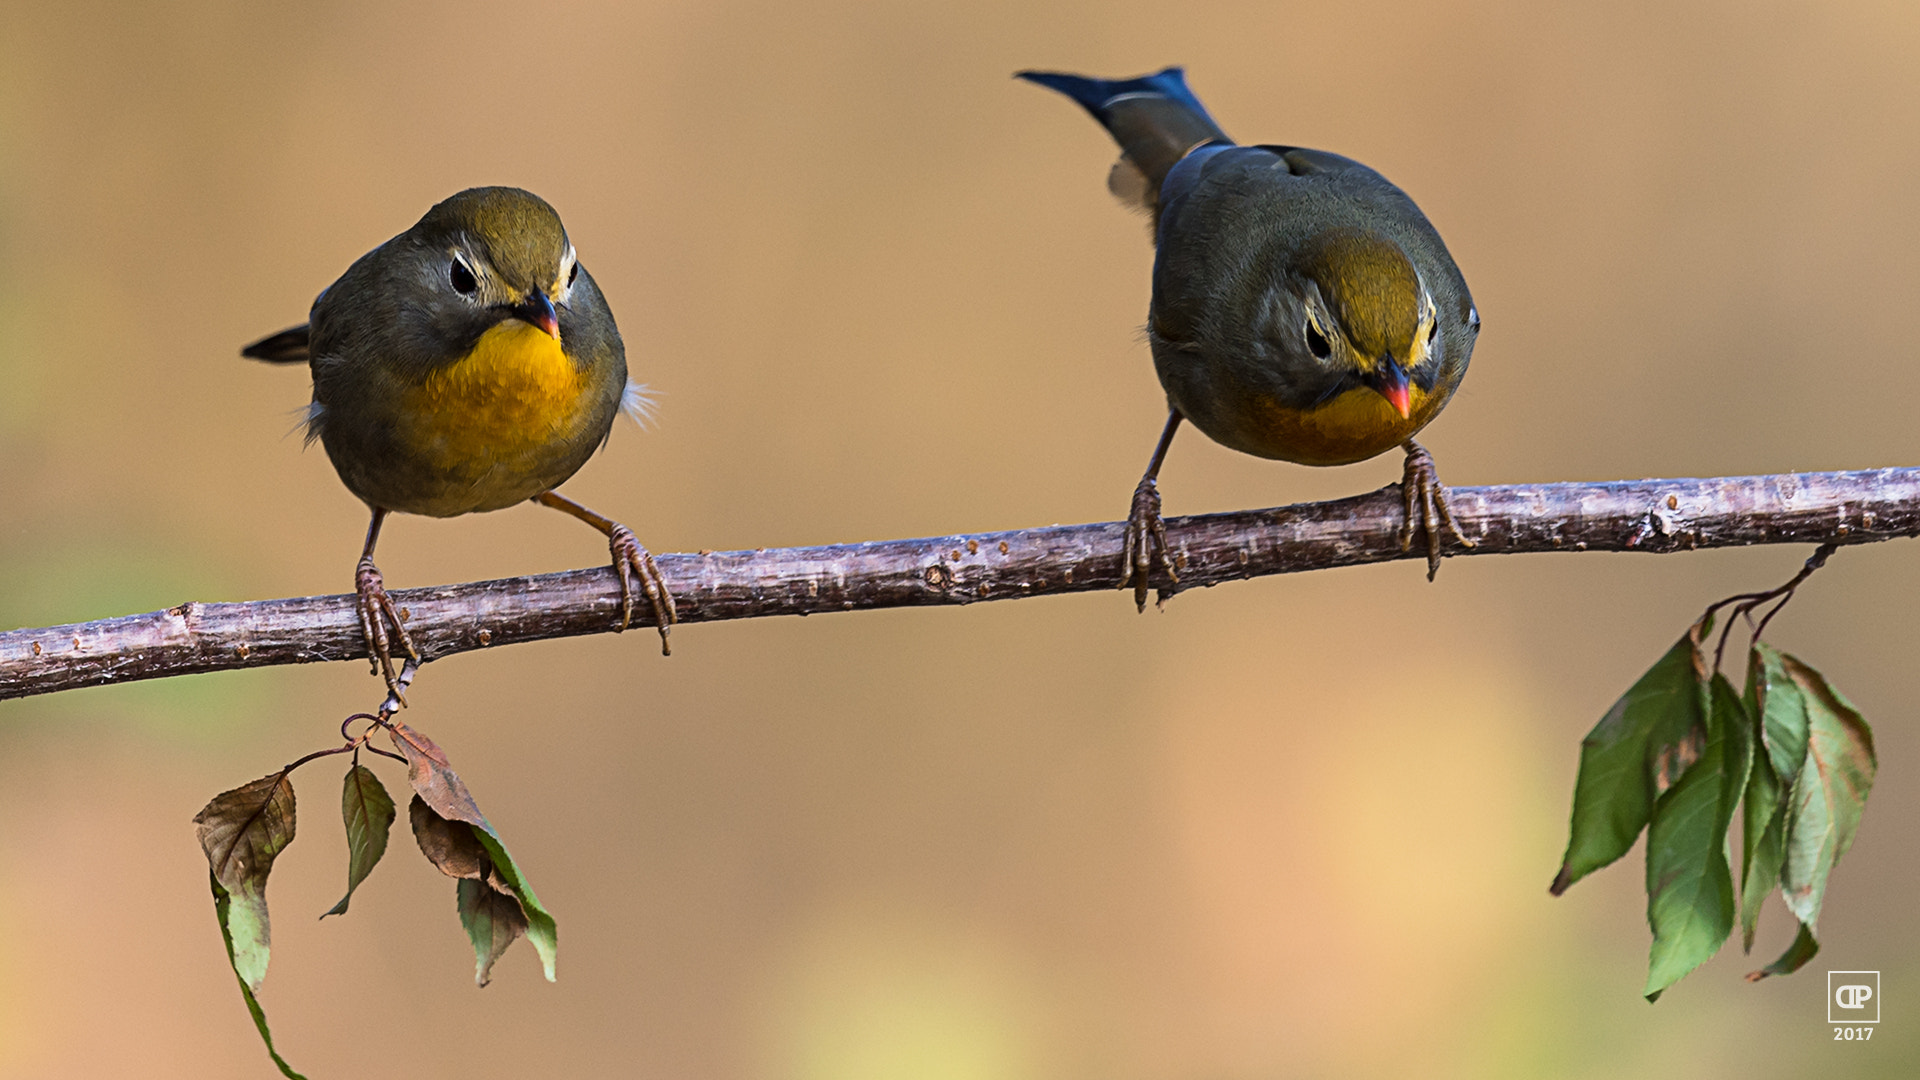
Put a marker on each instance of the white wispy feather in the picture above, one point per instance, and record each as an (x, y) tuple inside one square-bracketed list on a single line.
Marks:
[(309, 423), (640, 403)]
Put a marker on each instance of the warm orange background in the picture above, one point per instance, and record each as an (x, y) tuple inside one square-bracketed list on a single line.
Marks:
[(1293, 827)]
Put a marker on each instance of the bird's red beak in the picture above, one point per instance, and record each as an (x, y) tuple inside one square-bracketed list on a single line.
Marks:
[(1389, 379), (538, 310)]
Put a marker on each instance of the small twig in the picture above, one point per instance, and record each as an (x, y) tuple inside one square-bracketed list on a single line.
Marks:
[(361, 741), (1747, 602), (1640, 515), (350, 747), (1767, 618)]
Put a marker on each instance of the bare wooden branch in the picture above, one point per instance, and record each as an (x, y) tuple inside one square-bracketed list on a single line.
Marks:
[(1638, 515)]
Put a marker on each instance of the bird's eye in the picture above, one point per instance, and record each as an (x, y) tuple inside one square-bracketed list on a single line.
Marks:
[(1473, 319), (461, 278), (573, 273), (1433, 331), (1317, 342)]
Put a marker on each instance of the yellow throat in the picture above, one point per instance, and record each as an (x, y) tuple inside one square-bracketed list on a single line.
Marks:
[(1352, 427), (516, 393)]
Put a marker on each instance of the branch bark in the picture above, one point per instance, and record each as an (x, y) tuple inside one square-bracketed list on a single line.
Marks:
[(1657, 516)]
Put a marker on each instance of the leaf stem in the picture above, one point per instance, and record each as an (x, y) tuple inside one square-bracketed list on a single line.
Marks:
[(1747, 602)]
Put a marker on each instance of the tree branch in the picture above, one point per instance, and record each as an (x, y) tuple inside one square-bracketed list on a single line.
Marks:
[(1639, 515)]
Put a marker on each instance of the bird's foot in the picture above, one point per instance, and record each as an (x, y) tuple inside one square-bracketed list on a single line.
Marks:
[(630, 560), (1426, 497), (380, 624), (1146, 537)]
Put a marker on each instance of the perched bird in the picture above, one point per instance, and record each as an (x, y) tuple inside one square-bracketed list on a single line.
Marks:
[(1303, 308), (467, 364)]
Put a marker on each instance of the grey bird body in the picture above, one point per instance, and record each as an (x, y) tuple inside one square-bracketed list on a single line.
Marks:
[(1233, 265), (402, 426), (1303, 307), (467, 364)]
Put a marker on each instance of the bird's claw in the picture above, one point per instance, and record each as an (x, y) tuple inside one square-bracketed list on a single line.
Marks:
[(1146, 537), (377, 614), (631, 560), (1426, 497)]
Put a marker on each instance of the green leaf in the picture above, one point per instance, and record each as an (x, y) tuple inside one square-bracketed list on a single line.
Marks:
[(1689, 884), (492, 919), (1779, 718), (441, 805), (222, 911), (541, 930), (1781, 708), (1638, 750), (1802, 950), (242, 831), (1730, 711), (1824, 804), (1763, 836), (367, 810)]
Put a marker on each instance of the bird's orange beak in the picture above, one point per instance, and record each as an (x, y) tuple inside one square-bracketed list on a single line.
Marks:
[(538, 310), (1389, 379)]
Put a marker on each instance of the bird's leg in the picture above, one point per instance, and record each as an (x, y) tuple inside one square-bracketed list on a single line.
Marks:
[(377, 613), (1423, 493), (1146, 536), (630, 560)]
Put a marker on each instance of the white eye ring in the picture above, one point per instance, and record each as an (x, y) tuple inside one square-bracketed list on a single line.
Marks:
[(461, 277)]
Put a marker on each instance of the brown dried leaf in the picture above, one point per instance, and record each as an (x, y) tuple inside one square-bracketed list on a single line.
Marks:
[(441, 808), (242, 831), (434, 779), (451, 845)]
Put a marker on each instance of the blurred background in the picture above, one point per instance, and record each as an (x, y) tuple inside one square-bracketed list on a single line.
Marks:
[(1292, 827)]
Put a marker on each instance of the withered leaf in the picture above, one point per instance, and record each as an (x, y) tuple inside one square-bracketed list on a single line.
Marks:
[(242, 831), (441, 807), (476, 856), (451, 845), (493, 920), (367, 810), (434, 779)]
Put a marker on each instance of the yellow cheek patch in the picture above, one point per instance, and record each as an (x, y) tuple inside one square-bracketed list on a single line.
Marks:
[(514, 394), (1352, 427)]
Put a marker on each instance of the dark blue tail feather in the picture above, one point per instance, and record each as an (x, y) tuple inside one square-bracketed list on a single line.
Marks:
[(1095, 94), (1155, 119)]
